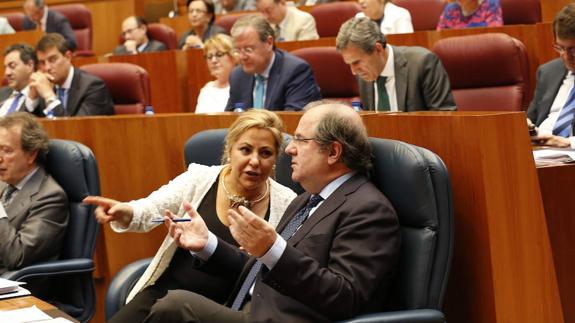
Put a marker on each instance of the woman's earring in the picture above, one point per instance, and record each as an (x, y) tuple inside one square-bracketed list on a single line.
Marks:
[(228, 160)]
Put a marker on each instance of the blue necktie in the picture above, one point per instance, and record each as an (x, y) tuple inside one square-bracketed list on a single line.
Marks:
[(62, 97), (286, 233), (15, 103), (564, 123), (259, 99)]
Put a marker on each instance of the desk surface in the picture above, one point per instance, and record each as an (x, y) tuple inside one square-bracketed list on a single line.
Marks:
[(27, 301)]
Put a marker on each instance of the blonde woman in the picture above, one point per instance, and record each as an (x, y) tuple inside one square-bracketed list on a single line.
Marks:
[(471, 13), (252, 146), (218, 55), (390, 18)]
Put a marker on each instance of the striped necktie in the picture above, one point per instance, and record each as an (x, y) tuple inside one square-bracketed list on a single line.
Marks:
[(7, 195), (15, 102), (564, 123)]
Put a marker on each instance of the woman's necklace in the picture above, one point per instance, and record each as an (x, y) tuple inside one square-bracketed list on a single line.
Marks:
[(237, 200)]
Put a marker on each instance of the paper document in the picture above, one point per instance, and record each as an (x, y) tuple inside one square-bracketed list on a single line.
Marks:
[(554, 155), (22, 315), (9, 286)]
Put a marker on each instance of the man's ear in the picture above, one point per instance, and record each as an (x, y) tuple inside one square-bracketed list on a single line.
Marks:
[(334, 150)]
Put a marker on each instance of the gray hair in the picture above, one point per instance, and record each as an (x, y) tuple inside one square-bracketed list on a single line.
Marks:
[(361, 33), (257, 22)]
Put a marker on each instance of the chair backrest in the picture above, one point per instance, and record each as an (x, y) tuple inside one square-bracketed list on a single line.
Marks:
[(518, 12), (80, 19), (330, 16), (129, 85), (164, 34), (323, 61), (487, 72), (205, 147), (417, 184), (16, 19), (228, 20), (424, 13)]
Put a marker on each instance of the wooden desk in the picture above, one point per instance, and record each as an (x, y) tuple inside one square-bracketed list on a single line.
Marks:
[(27, 301)]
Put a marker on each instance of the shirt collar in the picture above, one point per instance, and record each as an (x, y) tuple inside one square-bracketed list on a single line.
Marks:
[(69, 78), (142, 47), (388, 69), (334, 185), (266, 72), (26, 178)]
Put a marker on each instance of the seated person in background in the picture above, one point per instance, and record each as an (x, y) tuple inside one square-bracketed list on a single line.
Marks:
[(201, 17), (19, 63), (390, 18), (39, 16), (393, 78), (59, 89), (5, 27), (34, 223), (136, 40), (289, 22), (268, 77), (252, 146), (335, 250), (220, 59), (471, 13), (553, 105), (226, 6)]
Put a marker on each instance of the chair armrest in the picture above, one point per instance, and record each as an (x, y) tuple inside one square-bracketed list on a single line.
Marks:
[(52, 268), (122, 284), (408, 316)]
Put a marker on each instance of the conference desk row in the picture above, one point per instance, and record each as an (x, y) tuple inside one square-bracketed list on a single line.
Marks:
[(512, 260)]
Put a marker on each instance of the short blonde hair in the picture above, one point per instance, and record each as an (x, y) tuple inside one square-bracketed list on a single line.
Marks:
[(221, 42), (260, 119)]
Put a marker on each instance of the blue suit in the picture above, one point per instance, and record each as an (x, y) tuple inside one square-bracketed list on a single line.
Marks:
[(55, 23), (290, 86)]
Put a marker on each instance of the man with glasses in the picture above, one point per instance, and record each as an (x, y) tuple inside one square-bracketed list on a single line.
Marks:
[(136, 40), (335, 250), (34, 208), (267, 78), (58, 89), (553, 105)]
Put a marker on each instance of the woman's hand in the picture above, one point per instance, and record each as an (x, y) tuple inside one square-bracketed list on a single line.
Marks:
[(111, 210), (191, 235), (193, 41)]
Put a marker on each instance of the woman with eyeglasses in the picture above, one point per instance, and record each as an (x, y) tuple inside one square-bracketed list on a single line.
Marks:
[(471, 13), (218, 54), (201, 17)]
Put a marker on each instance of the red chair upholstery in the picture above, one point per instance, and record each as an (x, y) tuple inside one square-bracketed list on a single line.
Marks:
[(15, 19), (129, 85), (80, 19), (488, 72), (518, 12), (228, 20), (163, 33), (331, 73), (330, 16), (424, 13)]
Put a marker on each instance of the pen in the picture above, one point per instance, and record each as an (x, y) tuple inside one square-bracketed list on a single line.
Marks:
[(173, 220)]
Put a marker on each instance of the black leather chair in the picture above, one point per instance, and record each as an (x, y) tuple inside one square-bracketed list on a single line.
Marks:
[(417, 183), (69, 281)]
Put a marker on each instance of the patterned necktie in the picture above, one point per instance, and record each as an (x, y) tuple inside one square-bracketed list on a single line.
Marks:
[(286, 233), (564, 123), (62, 97), (382, 97), (259, 99), (15, 102), (7, 196)]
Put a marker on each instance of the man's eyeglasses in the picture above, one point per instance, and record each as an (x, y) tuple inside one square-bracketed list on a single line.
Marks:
[(299, 140), (564, 50), (129, 31), (209, 57), (245, 51)]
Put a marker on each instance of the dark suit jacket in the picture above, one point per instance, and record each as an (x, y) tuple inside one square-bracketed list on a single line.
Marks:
[(5, 93), (55, 23), (338, 264), (549, 79), (152, 46), (213, 29), (36, 223), (87, 96), (421, 82), (290, 85)]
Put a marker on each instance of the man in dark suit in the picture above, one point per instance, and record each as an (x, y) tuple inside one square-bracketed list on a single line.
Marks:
[(267, 77), (393, 78), (34, 209), (59, 89), (335, 250), (39, 16), (134, 31), (19, 64), (553, 107)]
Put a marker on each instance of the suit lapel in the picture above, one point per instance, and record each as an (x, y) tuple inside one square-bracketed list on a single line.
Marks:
[(400, 70), (275, 73), (19, 206), (72, 105)]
